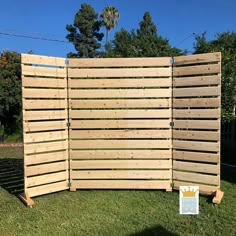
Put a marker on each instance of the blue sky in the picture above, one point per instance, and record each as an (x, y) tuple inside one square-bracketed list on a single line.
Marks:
[(176, 20)]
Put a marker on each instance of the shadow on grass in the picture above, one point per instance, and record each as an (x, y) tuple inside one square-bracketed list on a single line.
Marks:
[(12, 175), (155, 231), (228, 173)]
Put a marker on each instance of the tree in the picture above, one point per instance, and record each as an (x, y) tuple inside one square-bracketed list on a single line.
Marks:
[(226, 44), (10, 92), (143, 42), (84, 33), (110, 16)]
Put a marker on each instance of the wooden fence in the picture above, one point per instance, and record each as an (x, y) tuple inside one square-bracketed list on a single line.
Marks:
[(107, 123)]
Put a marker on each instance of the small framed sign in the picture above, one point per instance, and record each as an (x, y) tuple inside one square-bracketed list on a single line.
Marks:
[(189, 200)]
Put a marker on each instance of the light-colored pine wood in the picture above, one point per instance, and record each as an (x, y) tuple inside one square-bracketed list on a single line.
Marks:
[(48, 188), (196, 113), (43, 82), (141, 113), (196, 81), (42, 60), (45, 147), (196, 92), (197, 124), (113, 134), (111, 144), (46, 168), (195, 177), (202, 187), (121, 184), (120, 154), (196, 167), (119, 62), (196, 70), (45, 157), (121, 164), (44, 104), (198, 58), (44, 93), (46, 179), (45, 115), (43, 71), (196, 102), (45, 136), (196, 156), (121, 174), (120, 93), (118, 72), (119, 83), (218, 197), (26, 199), (85, 124), (196, 135), (121, 103), (196, 145), (44, 125)]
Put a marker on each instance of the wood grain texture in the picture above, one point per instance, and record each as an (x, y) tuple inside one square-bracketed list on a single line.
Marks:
[(43, 82)]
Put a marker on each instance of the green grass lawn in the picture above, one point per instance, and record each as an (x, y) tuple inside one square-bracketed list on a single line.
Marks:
[(108, 212)]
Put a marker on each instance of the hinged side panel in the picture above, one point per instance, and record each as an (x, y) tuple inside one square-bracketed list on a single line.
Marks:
[(196, 116), (44, 92)]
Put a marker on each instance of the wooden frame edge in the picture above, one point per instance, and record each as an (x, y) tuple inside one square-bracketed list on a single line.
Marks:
[(26, 199), (218, 196)]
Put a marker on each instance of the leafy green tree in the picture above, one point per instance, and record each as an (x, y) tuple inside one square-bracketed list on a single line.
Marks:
[(226, 44), (10, 92), (84, 33), (110, 16), (143, 42)]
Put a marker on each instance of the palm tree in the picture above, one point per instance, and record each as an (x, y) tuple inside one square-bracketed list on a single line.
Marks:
[(110, 16)]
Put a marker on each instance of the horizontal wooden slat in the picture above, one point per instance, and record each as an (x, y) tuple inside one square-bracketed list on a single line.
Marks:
[(48, 188), (120, 72), (44, 125), (196, 102), (196, 113), (45, 147), (197, 124), (44, 93), (198, 58), (43, 82), (120, 154), (196, 92), (196, 135), (121, 164), (42, 60), (142, 113), (196, 177), (202, 188), (196, 70), (119, 93), (196, 167), (43, 71), (196, 81), (122, 174), (198, 146), (92, 124), (44, 104), (121, 103), (119, 62), (110, 144), (106, 134), (121, 184), (45, 115), (46, 168), (46, 179), (46, 136), (196, 156), (45, 157), (119, 83)]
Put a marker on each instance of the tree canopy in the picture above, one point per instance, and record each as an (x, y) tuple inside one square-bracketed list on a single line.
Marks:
[(85, 32), (226, 44)]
